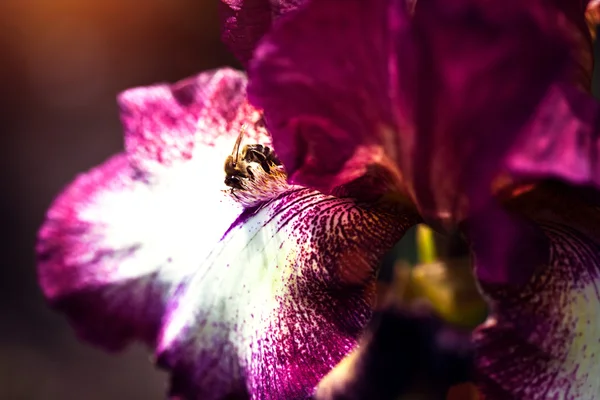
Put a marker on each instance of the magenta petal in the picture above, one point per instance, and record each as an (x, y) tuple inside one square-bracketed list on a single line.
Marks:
[(542, 338), (483, 69), (280, 301), (120, 239), (326, 79), (108, 286), (506, 250), (562, 141), (164, 123), (246, 21)]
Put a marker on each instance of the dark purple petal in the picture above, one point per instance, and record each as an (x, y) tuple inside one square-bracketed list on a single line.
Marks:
[(327, 80), (246, 21), (444, 97), (483, 67), (280, 301), (576, 29), (406, 353), (542, 339), (562, 141), (456, 75)]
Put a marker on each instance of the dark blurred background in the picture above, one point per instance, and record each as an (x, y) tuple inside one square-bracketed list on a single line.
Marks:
[(62, 62)]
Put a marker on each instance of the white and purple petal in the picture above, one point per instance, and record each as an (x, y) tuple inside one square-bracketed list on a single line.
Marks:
[(542, 339), (129, 230), (279, 301), (258, 301)]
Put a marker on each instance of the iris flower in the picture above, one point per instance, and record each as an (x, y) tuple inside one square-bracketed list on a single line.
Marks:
[(470, 115)]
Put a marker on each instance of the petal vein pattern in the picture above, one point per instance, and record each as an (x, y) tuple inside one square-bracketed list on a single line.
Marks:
[(542, 340), (280, 301), (259, 302)]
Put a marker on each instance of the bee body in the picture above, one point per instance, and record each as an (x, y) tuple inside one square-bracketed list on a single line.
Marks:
[(238, 165)]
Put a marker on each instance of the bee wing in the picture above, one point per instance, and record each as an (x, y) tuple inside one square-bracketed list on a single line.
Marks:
[(236, 146)]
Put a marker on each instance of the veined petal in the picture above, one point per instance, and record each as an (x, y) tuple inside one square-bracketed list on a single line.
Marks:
[(331, 106), (244, 22), (120, 238), (280, 301), (542, 339), (258, 298)]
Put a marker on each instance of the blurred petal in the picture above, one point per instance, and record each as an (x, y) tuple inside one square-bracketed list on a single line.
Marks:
[(450, 286), (244, 22), (542, 339), (483, 69), (407, 353), (592, 17), (576, 28), (119, 238), (331, 107), (279, 301), (330, 127), (562, 141)]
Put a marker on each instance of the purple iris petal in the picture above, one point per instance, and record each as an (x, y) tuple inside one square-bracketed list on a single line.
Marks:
[(127, 231), (562, 141), (105, 287), (152, 246), (439, 99), (454, 97), (381, 77), (280, 301), (576, 29), (246, 21), (327, 80), (483, 69), (541, 340)]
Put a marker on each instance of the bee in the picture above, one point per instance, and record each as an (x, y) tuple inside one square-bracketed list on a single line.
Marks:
[(237, 165)]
